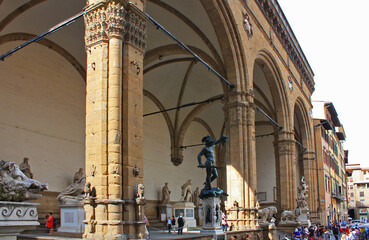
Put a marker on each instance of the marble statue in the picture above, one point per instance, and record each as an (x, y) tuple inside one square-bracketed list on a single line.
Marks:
[(247, 24), (78, 176), (186, 191), (208, 152), (196, 197), (26, 168), (140, 191), (16, 186), (288, 217), (301, 195), (266, 214), (165, 193), (74, 192)]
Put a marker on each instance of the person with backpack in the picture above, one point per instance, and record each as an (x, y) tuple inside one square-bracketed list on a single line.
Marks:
[(181, 222)]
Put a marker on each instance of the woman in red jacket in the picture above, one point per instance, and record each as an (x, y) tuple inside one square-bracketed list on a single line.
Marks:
[(49, 223)]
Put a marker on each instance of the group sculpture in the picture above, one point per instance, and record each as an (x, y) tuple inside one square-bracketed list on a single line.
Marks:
[(16, 186), (296, 216)]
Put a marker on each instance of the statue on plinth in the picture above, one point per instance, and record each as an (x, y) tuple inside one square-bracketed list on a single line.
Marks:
[(211, 170), (26, 168), (301, 195), (186, 191), (165, 193), (196, 197), (74, 192), (15, 186)]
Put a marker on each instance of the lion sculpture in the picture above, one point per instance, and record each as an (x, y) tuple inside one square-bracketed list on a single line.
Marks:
[(15, 186), (266, 214)]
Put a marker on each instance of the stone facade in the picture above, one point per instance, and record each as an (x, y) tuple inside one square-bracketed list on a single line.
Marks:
[(132, 69)]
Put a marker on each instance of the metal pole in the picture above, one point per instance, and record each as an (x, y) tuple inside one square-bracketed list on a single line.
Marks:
[(42, 35), (184, 105), (182, 45)]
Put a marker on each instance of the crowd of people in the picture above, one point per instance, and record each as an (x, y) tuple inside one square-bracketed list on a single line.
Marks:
[(332, 232)]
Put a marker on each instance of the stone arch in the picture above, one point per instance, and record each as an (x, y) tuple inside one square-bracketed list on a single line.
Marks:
[(9, 18), (274, 78), (47, 43)]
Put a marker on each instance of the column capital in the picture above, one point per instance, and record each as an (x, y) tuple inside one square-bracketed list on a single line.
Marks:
[(115, 18)]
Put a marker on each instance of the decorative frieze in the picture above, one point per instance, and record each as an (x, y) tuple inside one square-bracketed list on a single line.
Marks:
[(114, 19)]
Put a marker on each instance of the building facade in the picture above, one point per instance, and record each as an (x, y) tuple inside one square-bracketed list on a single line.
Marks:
[(358, 191), (83, 96), (331, 159)]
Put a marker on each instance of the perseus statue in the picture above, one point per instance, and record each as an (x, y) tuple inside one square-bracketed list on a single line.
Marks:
[(208, 152)]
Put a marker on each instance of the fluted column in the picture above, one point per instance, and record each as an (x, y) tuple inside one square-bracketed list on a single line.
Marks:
[(115, 41), (310, 174)]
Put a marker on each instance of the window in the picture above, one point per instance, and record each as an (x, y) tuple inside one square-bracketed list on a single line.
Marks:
[(362, 202), (361, 194), (352, 194)]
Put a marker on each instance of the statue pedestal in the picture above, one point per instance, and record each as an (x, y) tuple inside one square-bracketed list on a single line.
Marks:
[(304, 218), (165, 210), (188, 211), (71, 218), (16, 217), (212, 216)]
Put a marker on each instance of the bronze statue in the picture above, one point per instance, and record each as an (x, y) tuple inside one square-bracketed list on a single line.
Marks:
[(208, 152)]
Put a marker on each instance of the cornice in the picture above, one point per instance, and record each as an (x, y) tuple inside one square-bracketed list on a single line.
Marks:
[(277, 20)]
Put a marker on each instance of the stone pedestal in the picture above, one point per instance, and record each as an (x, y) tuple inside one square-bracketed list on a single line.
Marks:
[(188, 211), (212, 217), (71, 218), (304, 219), (165, 210), (16, 217), (269, 231)]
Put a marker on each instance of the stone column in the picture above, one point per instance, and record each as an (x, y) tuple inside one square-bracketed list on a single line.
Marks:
[(115, 41), (241, 160), (286, 171), (310, 175)]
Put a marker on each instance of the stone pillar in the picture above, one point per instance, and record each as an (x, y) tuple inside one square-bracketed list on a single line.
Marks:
[(310, 175), (241, 160), (286, 182), (115, 41)]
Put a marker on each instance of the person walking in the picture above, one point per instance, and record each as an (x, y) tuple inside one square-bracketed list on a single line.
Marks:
[(50, 223)]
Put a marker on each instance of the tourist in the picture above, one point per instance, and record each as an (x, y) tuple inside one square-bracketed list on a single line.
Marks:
[(224, 223), (50, 223), (173, 222), (311, 233), (326, 234), (169, 224), (181, 222), (336, 231), (297, 234), (147, 227)]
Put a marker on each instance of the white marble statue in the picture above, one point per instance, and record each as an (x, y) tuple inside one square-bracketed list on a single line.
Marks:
[(266, 214), (140, 191), (186, 191), (15, 186), (165, 193), (301, 195)]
